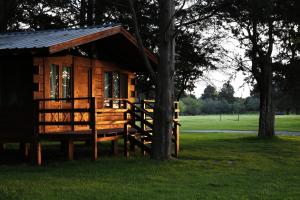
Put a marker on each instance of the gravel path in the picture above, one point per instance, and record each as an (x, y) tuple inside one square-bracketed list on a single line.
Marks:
[(289, 133)]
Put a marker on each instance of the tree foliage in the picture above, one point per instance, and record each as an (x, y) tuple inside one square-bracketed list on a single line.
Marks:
[(210, 92), (227, 92)]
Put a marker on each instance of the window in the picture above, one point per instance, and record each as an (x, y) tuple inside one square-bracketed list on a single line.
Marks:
[(115, 86), (61, 82), (107, 85), (54, 81), (66, 82), (124, 86)]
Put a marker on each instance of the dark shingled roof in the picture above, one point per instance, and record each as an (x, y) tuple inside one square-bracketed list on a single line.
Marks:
[(47, 38), (113, 43)]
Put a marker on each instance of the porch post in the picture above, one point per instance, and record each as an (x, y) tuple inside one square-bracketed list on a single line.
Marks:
[(2, 147), (36, 155), (36, 147), (24, 150), (70, 150), (114, 144), (93, 128), (126, 139), (176, 129)]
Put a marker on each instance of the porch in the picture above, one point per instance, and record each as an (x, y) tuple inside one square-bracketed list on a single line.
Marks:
[(80, 119)]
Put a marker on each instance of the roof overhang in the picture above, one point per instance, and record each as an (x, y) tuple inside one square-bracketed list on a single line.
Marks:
[(98, 36)]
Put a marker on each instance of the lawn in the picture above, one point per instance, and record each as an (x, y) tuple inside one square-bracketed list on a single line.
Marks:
[(211, 166), (231, 122)]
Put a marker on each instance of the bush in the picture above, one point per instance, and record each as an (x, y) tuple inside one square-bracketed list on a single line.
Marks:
[(252, 104), (190, 106)]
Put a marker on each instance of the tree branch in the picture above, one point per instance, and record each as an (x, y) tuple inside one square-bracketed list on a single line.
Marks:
[(140, 43), (270, 35)]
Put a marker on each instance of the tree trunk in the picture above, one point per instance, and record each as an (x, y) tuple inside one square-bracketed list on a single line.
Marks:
[(267, 115), (164, 96), (90, 12), (7, 10), (82, 13), (99, 12)]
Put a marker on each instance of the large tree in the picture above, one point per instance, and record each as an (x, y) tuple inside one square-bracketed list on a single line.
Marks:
[(255, 23), (164, 98), (210, 92), (227, 93), (7, 11)]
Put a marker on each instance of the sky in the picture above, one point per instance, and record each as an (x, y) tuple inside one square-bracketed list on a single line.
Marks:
[(219, 77)]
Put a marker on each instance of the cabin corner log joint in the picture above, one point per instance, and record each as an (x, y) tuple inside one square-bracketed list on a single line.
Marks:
[(74, 85)]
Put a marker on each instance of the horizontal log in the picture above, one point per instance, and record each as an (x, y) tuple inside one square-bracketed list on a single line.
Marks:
[(65, 110), (110, 110), (65, 99), (64, 123), (109, 138), (64, 136), (111, 122)]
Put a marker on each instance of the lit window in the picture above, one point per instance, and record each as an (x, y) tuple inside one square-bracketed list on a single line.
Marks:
[(115, 86), (66, 82), (107, 85), (54, 81)]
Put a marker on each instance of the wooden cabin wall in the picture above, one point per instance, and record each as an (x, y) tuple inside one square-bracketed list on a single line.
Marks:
[(16, 99), (108, 118), (83, 69)]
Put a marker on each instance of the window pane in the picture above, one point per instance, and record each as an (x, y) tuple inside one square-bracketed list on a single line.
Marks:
[(108, 85), (67, 82), (54, 81), (116, 85), (124, 86)]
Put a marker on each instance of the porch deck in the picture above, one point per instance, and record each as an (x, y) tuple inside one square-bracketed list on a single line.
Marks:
[(121, 119)]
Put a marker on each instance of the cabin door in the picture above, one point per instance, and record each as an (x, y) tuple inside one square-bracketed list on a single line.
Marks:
[(83, 90), (61, 91), (85, 83)]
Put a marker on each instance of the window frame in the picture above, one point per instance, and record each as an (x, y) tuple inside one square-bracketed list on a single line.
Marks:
[(111, 103), (60, 89), (57, 82), (71, 83)]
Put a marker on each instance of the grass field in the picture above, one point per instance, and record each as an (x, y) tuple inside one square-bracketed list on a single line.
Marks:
[(211, 166), (230, 122)]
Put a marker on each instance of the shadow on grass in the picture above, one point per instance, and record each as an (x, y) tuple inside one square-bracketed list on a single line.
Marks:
[(52, 153), (202, 147)]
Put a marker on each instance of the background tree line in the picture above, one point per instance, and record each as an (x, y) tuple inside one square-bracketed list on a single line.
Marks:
[(218, 102)]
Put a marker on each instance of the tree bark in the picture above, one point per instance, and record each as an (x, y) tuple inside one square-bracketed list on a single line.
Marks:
[(6, 13), (82, 13), (164, 96), (267, 115), (90, 12)]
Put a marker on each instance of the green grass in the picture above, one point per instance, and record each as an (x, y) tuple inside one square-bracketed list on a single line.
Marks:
[(230, 122), (211, 166)]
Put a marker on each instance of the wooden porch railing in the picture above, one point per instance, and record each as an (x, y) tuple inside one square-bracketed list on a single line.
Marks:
[(40, 120), (41, 109), (141, 118), (136, 115)]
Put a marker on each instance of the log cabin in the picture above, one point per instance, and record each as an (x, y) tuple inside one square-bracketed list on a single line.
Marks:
[(72, 85)]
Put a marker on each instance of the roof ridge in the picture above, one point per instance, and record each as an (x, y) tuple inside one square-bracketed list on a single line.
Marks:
[(61, 29)]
